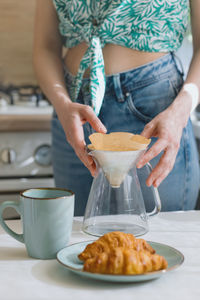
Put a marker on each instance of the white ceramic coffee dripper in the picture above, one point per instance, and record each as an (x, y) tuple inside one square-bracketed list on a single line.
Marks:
[(115, 201)]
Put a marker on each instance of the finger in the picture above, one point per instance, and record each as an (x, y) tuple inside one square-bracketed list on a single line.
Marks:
[(94, 121), (79, 147), (163, 168), (86, 159), (76, 139), (148, 130), (156, 149)]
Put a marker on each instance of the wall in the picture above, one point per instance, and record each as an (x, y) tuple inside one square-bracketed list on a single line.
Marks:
[(16, 35)]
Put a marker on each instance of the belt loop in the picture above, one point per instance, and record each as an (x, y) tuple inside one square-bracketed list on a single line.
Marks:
[(180, 67), (117, 87)]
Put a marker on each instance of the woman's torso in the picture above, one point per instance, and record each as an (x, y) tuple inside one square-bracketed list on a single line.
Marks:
[(116, 58), (131, 32), (120, 35)]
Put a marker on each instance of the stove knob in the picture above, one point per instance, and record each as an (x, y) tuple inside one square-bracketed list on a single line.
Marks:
[(43, 155), (8, 156)]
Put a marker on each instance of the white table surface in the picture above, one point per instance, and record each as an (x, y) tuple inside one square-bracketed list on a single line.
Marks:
[(24, 278)]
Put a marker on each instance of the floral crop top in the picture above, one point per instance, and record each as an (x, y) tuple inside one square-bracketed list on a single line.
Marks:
[(146, 25)]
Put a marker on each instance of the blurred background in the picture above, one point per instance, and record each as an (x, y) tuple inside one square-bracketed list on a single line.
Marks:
[(25, 113)]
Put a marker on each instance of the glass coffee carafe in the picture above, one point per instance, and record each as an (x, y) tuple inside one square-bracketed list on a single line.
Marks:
[(115, 201)]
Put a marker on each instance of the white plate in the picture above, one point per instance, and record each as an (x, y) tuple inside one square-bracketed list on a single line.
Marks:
[(69, 258)]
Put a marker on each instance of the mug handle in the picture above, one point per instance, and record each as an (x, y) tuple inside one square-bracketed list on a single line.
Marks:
[(16, 206), (157, 207)]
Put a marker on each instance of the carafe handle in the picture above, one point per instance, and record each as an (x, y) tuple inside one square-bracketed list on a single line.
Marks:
[(157, 207)]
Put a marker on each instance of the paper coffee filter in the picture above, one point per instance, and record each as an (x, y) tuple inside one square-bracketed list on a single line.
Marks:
[(90, 147), (116, 153), (118, 141)]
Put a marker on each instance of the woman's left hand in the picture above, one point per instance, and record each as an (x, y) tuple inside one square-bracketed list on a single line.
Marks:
[(167, 127), (169, 124)]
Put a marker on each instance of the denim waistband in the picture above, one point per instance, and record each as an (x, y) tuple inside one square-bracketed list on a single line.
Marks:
[(162, 67)]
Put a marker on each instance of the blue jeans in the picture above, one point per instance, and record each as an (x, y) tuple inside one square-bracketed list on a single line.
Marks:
[(132, 99)]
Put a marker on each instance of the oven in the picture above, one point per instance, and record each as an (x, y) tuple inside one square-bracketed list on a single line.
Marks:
[(25, 143)]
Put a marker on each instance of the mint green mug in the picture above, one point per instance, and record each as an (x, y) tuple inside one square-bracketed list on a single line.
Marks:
[(47, 217)]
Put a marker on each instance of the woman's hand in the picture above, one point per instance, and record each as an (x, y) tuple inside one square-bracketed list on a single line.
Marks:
[(167, 127), (72, 117)]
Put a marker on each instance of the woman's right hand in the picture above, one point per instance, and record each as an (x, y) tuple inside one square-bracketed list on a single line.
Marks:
[(72, 117)]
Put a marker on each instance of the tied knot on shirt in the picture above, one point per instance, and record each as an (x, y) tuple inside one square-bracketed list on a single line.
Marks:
[(90, 30)]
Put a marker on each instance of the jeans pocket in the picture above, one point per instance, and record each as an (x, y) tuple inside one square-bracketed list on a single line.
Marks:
[(148, 101)]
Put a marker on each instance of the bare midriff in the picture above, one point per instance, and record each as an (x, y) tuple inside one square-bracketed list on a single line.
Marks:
[(116, 58)]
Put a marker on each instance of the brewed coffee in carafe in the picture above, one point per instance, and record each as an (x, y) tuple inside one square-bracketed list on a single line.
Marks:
[(115, 201)]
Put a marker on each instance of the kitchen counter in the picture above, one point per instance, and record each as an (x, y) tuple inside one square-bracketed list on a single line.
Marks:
[(25, 122), (25, 118), (24, 278)]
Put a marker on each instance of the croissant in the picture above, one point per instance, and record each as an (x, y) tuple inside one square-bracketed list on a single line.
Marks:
[(112, 240), (124, 261)]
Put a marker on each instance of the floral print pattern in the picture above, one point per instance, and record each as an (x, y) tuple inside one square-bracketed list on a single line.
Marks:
[(145, 25)]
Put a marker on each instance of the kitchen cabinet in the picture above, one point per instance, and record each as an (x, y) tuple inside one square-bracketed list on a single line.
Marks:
[(16, 39)]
